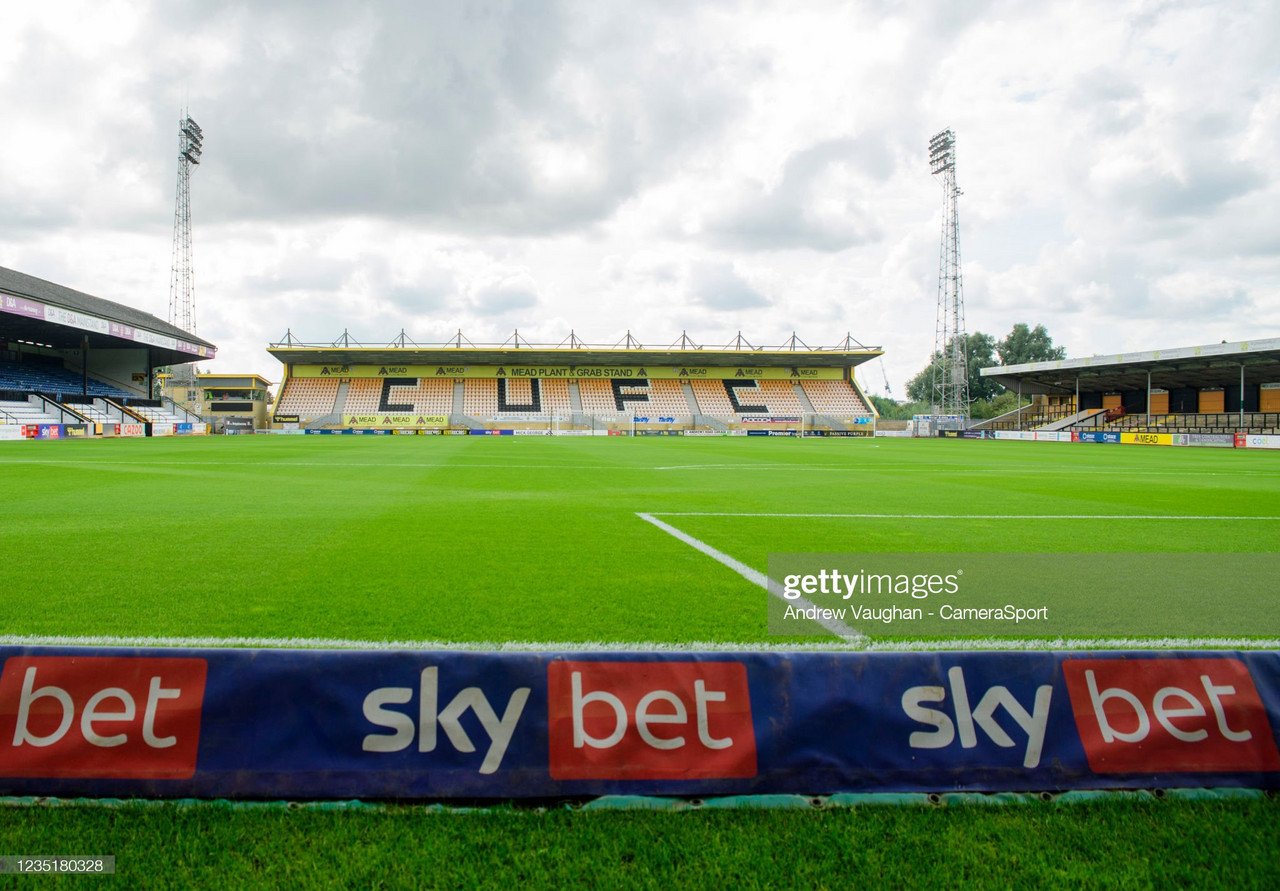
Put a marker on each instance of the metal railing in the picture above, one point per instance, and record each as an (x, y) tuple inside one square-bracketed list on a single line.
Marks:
[(628, 342), (1188, 422)]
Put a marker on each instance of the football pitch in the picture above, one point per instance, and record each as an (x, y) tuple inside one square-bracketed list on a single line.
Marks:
[(648, 542), (544, 542)]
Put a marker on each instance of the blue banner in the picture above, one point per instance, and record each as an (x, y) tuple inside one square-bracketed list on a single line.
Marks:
[(1097, 436), (302, 724)]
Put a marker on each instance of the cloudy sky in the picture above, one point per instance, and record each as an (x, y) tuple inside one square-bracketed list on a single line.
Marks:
[(657, 167)]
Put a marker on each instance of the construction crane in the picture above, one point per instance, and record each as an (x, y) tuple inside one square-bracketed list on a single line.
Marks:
[(887, 389)]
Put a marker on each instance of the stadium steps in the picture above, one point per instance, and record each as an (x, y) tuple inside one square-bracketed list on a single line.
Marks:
[(185, 415), (112, 412), (1067, 422), (1029, 417), (333, 418), (690, 398), (340, 400), (709, 422), (30, 412), (804, 398), (55, 409), (575, 399), (461, 420), (459, 398), (127, 415)]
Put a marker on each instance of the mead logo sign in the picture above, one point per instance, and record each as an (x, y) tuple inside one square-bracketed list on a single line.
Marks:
[(101, 717), (650, 720), (1170, 715)]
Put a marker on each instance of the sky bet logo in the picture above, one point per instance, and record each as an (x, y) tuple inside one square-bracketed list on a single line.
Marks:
[(101, 717), (607, 720), (650, 721), (1170, 715), (431, 716), (950, 713)]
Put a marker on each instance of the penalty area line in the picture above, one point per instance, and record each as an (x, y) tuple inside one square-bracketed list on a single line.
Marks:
[(783, 516), (835, 626)]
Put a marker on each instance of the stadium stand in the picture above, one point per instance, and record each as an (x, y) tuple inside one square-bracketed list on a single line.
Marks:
[(597, 397), (91, 409), (712, 399), (432, 396), (47, 378), (834, 398), (159, 413), (1213, 422), (480, 398), (362, 396), (13, 411), (574, 387), (780, 397), (631, 397), (555, 397), (716, 398), (308, 397), (665, 397)]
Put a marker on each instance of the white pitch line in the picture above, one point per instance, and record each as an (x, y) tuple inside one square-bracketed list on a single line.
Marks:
[(527, 646), (954, 516), (835, 626), (196, 465)]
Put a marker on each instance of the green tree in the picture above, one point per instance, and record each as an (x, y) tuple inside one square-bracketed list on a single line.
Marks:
[(980, 351), (1005, 401), (1025, 344), (892, 410)]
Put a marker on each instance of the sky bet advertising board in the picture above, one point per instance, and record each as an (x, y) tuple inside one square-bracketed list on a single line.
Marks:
[(423, 724)]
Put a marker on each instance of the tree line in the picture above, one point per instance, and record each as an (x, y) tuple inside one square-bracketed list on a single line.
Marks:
[(987, 398)]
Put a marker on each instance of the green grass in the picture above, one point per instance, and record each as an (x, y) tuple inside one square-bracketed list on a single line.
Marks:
[(1108, 844), (496, 539), (532, 539)]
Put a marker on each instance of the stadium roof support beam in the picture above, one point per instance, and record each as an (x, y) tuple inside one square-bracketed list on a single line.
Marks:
[(515, 341), (793, 343), (685, 343), (850, 344), (573, 341), (629, 343)]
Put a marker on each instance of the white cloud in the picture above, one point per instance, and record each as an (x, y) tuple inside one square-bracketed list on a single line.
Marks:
[(609, 167)]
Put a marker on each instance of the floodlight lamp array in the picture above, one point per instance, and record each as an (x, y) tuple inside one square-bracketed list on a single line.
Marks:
[(942, 151), (193, 139)]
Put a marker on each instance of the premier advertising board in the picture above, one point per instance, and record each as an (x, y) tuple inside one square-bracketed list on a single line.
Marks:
[(405, 724)]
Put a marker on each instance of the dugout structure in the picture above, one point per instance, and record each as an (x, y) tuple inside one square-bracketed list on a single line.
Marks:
[(575, 389), (1213, 388), (241, 399)]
